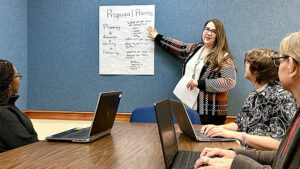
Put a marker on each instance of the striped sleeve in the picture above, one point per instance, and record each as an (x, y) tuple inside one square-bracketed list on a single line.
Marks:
[(226, 81), (178, 48)]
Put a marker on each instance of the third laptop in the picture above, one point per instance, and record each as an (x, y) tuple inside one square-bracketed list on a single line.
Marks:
[(186, 126), (173, 158)]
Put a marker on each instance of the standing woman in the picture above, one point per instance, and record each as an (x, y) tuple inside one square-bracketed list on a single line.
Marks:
[(16, 129), (210, 66)]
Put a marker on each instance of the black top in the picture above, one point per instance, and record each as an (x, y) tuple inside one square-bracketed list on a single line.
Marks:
[(16, 128)]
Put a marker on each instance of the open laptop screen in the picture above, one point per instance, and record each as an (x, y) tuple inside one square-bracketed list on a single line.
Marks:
[(105, 112), (182, 118), (166, 131)]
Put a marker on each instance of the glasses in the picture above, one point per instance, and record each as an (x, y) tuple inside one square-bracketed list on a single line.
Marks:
[(18, 76), (276, 60), (206, 29)]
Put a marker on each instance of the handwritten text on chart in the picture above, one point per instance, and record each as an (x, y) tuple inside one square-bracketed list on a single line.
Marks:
[(124, 46), (134, 13)]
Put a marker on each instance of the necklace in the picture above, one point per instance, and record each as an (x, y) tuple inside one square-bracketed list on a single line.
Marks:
[(197, 63)]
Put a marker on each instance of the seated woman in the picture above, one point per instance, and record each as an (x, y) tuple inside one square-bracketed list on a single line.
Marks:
[(16, 128), (288, 153), (268, 110)]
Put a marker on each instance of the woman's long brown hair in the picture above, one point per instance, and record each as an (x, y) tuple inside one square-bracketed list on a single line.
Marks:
[(216, 56)]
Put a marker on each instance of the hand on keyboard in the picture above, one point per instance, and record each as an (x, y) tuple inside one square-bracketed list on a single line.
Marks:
[(213, 162), (218, 152)]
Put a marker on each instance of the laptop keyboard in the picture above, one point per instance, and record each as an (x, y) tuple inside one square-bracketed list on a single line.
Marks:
[(199, 134), (79, 134), (192, 158), (186, 159)]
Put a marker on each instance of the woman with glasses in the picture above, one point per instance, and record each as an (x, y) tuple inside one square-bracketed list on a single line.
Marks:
[(268, 110), (16, 128), (209, 65), (288, 153)]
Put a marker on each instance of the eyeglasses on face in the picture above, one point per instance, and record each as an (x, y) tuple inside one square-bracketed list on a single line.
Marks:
[(206, 29), (18, 76), (276, 60)]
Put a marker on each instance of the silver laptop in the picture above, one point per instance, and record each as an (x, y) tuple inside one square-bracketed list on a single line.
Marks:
[(103, 121), (186, 126), (172, 157)]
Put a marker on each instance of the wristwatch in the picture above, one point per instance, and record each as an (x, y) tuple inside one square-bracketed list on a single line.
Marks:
[(244, 136)]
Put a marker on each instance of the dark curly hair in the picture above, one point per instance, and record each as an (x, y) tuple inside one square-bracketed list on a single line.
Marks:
[(261, 63), (6, 77)]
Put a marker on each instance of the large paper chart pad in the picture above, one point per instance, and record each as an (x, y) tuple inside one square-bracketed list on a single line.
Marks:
[(124, 45)]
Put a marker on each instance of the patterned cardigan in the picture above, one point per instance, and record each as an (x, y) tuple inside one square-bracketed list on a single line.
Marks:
[(212, 97)]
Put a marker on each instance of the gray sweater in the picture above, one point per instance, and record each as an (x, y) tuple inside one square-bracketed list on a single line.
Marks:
[(16, 129), (255, 159)]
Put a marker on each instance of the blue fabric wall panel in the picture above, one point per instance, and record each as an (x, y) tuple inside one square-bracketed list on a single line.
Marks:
[(63, 48), (252, 24), (13, 40)]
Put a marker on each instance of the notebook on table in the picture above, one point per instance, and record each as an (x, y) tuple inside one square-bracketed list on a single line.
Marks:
[(173, 158), (186, 126), (102, 123)]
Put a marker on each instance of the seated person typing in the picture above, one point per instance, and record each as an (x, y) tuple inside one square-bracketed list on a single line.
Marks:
[(268, 110), (288, 153)]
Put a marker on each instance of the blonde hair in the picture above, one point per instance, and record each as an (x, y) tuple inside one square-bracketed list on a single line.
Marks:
[(290, 46)]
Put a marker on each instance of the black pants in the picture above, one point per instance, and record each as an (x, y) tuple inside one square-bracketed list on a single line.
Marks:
[(212, 119)]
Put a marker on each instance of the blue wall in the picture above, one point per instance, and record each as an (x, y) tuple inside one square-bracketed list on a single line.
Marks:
[(63, 48), (13, 40)]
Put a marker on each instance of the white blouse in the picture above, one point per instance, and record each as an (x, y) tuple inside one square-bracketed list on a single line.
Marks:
[(194, 66)]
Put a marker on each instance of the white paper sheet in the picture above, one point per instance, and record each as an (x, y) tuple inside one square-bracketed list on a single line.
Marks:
[(187, 96), (124, 45)]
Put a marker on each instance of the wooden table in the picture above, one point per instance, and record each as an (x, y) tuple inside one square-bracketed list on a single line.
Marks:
[(130, 146)]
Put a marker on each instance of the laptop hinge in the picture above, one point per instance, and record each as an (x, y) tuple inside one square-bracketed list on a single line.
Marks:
[(100, 134), (173, 160)]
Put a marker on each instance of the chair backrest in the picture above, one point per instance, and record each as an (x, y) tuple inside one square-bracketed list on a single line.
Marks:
[(147, 115), (143, 115), (194, 116)]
